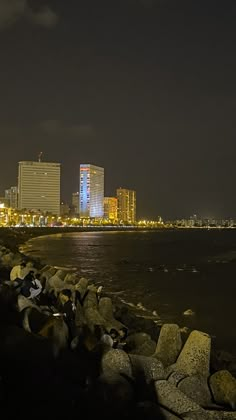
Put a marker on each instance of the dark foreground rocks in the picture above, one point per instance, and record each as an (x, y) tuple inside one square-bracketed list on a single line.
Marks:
[(156, 377)]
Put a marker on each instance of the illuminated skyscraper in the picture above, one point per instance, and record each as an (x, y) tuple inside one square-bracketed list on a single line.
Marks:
[(126, 208), (110, 208), (39, 186), (91, 191)]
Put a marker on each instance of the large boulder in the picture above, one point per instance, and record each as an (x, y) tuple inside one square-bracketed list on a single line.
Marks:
[(196, 388), (169, 344), (71, 278), (8, 259), (117, 361), (223, 360), (81, 287), (145, 349), (223, 388), (113, 394), (91, 313), (194, 358), (79, 316), (140, 343), (90, 300), (148, 367), (171, 398), (55, 284), (61, 273), (106, 310), (92, 318), (134, 322)]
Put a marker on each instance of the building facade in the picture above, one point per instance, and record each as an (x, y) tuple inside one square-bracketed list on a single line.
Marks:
[(110, 208), (39, 186), (91, 191), (126, 205), (75, 203), (11, 194)]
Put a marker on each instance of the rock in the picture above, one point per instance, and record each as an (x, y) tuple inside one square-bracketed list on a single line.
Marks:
[(81, 287), (61, 274), (23, 303), (46, 276), (79, 316), (169, 344), (93, 317), (117, 361), (222, 360), (134, 323), (147, 348), (91, 313), (106, 310), (221, 415), (223, 388), (90, 301), (149, 410), (137, 339), (188, 312), (140, 343), (196, 388), (174, 400), (149, 367), (55, 284), (194, 358), (8, 259), (46, 268), (113, 392), (175, 377), (71, 278), (167, 415), (199, 415)]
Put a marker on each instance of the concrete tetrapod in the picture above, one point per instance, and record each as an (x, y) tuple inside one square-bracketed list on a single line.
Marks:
[(106, 311), (169, 344), (194, 358), (223, 388)]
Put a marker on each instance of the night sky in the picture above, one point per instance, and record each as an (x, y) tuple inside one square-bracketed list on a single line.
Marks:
[(144, 88)]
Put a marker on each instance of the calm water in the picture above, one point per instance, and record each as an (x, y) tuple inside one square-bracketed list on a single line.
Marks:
[(166, 271)]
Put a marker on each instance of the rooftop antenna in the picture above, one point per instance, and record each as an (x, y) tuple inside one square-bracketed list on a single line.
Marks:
[(40, 156)]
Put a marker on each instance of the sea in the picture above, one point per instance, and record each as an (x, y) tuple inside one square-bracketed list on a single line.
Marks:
[(183, 276)]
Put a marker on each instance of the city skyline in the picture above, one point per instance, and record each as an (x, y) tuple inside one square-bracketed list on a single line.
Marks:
[(145, 89)]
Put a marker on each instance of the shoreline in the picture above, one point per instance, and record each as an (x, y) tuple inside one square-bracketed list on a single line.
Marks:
[(162, 368), (14, 238)]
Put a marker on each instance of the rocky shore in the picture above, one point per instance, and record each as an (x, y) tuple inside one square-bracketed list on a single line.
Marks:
[(162, 374)]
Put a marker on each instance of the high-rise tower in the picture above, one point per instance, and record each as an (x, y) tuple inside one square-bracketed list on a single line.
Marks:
[(91, 191), (39, 186), (126, 208)]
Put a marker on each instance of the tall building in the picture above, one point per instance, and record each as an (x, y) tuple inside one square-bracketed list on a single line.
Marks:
[(110, 208), (75, 202), (64, 209), (11, 194), (126, 205), (39, 186), (91, 191)]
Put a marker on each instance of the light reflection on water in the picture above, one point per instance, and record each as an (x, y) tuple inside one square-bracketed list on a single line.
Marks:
[(167, 271)]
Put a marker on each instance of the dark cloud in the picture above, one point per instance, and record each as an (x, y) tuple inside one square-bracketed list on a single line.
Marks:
[(61, 129), (45, 17), (13, 10), (54, 129)]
